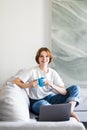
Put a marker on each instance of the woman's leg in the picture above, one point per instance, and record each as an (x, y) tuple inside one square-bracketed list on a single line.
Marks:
[(36, 105), (73, 94), (73, 104), (72, 97)]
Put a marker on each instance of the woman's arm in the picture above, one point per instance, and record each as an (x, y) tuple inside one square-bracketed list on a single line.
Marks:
[(21, 84), (61, 89)]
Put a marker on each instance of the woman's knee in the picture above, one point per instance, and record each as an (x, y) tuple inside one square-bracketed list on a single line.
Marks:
[(36, 105), (74, 88)]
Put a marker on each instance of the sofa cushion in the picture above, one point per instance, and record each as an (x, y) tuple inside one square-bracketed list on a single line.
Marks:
[(72, 124), (83, 100), (14, 103), (83, 104)]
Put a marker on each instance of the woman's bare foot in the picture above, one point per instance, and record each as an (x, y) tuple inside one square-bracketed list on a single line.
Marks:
[(75, 116)]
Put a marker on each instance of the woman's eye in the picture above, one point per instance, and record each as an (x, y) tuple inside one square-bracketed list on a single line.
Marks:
[(41, 56), (44, 56)]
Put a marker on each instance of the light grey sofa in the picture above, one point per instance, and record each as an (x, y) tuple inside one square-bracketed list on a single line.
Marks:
[(33, 125), (81, 110), (15, 114)]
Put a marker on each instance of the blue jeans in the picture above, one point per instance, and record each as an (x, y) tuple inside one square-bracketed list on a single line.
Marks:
[(73, 94)]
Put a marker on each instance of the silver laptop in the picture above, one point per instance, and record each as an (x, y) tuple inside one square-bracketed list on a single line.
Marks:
[(55, 112)]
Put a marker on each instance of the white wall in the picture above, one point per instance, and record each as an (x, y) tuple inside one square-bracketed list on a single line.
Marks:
[(24, 27)]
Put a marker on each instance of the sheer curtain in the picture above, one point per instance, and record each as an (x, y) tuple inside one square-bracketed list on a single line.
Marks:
[(69, 40)]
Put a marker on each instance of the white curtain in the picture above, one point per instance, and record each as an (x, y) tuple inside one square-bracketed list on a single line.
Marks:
[(69, 40)]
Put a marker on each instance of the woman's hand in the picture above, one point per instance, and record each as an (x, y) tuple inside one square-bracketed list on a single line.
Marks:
[(48, 83), (33, 83), (59, 89)]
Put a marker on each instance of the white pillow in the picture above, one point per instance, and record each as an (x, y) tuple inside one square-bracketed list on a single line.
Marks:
[(14, 104)]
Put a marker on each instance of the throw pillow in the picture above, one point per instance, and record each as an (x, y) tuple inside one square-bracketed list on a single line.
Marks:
[(14, 103)]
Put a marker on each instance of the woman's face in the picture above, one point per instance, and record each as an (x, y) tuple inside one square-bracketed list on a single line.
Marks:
[(44, 58)]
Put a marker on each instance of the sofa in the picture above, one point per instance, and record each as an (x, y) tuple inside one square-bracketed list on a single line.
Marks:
[(81, 109), (15, 114)]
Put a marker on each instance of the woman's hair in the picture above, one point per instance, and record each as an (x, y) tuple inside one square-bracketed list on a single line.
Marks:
[(47, 51)]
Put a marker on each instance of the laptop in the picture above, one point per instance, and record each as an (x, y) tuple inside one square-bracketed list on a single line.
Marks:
[(55, 112)]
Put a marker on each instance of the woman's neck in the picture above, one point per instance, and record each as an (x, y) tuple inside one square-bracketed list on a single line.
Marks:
[(44, 68)]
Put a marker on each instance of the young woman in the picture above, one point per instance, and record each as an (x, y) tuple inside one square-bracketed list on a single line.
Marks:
[(53, 91)]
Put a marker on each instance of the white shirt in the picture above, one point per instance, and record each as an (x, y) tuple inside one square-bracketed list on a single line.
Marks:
[(35, 73)]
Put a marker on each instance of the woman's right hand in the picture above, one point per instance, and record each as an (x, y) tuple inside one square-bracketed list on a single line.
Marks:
[(33, 83)]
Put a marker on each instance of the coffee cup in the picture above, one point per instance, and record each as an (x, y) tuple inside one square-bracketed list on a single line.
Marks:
[(41, 81)]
